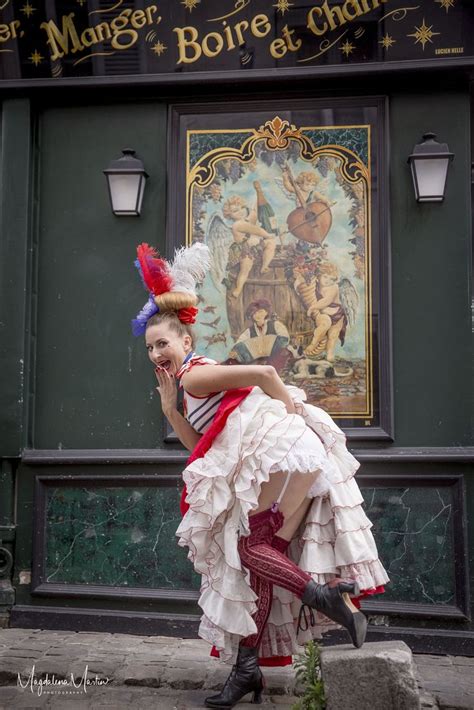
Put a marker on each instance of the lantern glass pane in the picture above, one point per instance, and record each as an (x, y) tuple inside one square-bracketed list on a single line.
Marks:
[(140, 194), (124, 191), (431, 178)]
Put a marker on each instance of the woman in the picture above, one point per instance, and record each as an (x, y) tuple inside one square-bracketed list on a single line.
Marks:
[(274, 516)]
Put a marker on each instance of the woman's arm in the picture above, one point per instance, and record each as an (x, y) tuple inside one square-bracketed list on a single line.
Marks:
[(205, 379), (185, 432), (169, 396)]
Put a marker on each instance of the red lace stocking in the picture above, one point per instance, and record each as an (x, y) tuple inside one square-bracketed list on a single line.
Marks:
[(264, 590), (257, 554), (262, 552)]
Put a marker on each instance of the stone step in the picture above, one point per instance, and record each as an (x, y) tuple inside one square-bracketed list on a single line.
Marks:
[(378, 676)]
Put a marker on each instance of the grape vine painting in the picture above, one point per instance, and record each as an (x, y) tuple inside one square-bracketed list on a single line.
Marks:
[(287, 212)]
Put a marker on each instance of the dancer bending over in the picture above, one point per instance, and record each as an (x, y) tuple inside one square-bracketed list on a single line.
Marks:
[(273, 514)]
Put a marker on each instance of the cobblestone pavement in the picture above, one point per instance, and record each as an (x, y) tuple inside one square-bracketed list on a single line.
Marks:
[(120, 671), (449, 679), (117, 671)]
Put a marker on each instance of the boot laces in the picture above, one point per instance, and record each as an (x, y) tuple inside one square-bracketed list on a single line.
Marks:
[(303, 622)]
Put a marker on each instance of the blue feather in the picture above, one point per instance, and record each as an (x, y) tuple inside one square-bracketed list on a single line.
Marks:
[(148, 310), (138, 265)]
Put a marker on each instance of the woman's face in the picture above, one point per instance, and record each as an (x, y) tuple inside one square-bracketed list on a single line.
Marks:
[(260, 316), (166, 348)]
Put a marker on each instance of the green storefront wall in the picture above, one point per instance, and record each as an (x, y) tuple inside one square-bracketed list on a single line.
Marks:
[(96, 500)]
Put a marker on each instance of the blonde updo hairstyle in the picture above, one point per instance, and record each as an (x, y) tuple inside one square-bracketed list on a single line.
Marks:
[(170, 318), (174, 300)]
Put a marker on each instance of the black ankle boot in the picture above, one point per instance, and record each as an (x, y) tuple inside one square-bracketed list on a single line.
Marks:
[(244, 678), (333, 601)]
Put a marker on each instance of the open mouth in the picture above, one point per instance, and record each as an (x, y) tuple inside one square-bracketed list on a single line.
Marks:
[(165, 364)]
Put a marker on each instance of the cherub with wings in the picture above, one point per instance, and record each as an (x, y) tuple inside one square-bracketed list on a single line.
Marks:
[(332, 303), (235, 249), (303, 187)]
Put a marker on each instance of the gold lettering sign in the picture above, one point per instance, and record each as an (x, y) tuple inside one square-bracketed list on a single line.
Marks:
[(190, 46), (121, 31), (322, 19), (230, 34)]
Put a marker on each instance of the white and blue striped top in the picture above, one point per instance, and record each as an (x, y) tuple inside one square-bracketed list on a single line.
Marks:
[(199, 411)]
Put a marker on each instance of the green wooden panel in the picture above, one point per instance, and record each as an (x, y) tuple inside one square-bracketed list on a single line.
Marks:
[(431, 264), (94, 384), (123, 537), (14, 232), (413, 528)]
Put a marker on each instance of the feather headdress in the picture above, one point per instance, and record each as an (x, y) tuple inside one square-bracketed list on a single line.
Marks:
[(172, 286), (153, 270)]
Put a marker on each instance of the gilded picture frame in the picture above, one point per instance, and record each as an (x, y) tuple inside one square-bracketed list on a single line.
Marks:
[(293, 206)]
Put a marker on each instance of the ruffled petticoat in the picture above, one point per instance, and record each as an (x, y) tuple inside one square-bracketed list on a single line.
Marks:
[(223, 486)]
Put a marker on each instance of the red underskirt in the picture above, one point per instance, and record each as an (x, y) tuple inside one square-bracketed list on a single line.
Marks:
[(230, 401)]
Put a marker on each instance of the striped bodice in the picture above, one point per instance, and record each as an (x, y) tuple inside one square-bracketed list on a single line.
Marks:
[(199, 411)]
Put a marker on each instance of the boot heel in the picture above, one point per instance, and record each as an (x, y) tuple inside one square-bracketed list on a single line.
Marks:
[(350, 587), (257, 697), (348, 602)]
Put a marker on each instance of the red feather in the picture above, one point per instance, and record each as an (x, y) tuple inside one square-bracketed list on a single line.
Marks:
[(155, 270)]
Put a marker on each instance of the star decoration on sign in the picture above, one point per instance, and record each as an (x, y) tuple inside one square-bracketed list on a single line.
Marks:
[(387, 41), (446, 4), (190, 4), (423, 34), (36, 58), (347, 47), (28, 9), (282, 6), (159, 48)]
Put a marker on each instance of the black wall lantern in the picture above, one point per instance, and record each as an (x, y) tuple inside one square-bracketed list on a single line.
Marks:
[(126, 182), (429, 168)]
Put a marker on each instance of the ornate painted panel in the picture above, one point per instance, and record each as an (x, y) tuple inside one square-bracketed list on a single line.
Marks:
[(291, 210)]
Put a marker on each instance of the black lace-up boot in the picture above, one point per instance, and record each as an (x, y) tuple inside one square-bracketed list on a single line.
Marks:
[(333, 600), (245, 677)]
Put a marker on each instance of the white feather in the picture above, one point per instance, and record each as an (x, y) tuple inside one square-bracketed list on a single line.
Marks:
[(189, 265)]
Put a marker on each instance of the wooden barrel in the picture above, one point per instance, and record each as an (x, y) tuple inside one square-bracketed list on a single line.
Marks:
[(287, 305)]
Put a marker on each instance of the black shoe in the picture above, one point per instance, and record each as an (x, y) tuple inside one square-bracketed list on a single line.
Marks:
[(245, 677), (333, 601)]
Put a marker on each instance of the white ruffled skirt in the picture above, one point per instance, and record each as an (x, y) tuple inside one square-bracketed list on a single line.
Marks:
[(223, 486)]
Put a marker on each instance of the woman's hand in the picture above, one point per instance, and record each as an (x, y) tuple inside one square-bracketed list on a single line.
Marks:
[(290, 408), (167, 390), (299, 408)]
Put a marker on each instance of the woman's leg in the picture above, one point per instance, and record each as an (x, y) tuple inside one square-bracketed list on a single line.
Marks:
[(264, 591), (294, 499), (293, 522), (258, 555)]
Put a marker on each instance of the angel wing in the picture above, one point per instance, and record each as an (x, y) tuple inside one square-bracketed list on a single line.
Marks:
[(349, 300), (218, 239), (290, 195)]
